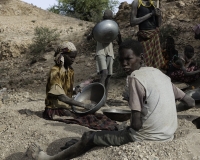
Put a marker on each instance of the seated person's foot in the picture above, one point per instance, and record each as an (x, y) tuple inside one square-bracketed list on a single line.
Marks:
[(36, 153), (69, 144)]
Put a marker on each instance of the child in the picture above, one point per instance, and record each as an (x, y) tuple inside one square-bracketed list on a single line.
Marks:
[(183, 68)]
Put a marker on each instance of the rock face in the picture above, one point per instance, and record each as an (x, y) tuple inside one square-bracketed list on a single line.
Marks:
[(182, 15), (19, 19)]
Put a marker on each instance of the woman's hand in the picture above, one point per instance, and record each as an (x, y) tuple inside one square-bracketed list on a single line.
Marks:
[(77, 89)]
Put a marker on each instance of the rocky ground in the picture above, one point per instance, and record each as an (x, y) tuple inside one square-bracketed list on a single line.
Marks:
[(22, 85)]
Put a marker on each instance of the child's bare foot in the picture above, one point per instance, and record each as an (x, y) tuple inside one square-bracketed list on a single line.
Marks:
[(36, 153)]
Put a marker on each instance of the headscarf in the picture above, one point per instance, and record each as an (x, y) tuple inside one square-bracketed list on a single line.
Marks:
[(68, 46)]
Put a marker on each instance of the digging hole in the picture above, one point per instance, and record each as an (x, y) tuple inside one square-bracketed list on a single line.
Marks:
[(196, 122)]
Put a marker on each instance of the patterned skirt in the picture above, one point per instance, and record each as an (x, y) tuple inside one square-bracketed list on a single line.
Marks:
[(49, 113), (96, 121), (152, 50), (179, 75)]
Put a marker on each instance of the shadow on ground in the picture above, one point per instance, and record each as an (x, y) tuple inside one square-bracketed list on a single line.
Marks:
[(29, 112)]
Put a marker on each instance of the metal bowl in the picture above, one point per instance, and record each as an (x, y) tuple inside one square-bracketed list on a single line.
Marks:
[(105, 31), (94, 92), (195, 94), (117, 114)]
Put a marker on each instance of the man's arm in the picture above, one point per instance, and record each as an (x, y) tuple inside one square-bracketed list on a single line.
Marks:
[(90, 36), (136, 121), (133, 19), (119, 38), (158, 16), (187, 101), (136, 98)]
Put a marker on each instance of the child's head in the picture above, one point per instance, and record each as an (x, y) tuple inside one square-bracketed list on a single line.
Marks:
[(130, 55), (189, 51), (108, 14)]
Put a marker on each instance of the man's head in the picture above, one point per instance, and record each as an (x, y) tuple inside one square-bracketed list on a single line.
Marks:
[(130, 55), (188, 52), (108, 14), (67, 54)]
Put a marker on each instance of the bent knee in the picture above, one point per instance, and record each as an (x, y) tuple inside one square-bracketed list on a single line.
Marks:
[(87, 137), (104, 73)]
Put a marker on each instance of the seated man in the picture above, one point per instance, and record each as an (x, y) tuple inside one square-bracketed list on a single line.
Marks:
[(184, 68), (59, 88), (151, 97)]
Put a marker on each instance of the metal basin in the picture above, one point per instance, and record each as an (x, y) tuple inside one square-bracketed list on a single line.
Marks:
[(94, 93), (117, 114), (195, 94), (105, 31)]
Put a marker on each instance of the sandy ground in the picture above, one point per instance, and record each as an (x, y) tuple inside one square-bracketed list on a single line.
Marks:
[(21, 123), (22, 90)]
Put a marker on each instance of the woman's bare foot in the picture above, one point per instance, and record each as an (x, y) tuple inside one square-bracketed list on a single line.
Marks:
[(36, 153)]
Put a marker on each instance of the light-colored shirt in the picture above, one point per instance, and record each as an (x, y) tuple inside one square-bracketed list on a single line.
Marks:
[(137, 94), (60, 81), (105, 49), (152, 93)]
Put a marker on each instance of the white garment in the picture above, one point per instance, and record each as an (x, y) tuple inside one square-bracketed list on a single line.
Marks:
[(105, 49), (159, 115)]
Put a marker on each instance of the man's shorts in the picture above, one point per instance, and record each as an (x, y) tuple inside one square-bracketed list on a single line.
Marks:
[(104, 62), (113, 138)]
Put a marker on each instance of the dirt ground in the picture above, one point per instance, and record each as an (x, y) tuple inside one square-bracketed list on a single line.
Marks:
[(22, 90)]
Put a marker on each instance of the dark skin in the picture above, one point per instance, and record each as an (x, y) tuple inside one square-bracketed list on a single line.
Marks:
[(184, 62), (135, 21), (69, 58)]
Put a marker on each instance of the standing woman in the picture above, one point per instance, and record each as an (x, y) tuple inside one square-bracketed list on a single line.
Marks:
[(146, 14)]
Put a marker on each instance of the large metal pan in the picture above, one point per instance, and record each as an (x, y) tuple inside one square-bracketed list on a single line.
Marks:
[(94, 93), (105, 31), (195, 94), (117, 114)]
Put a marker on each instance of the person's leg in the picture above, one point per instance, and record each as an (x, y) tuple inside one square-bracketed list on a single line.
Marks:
[(113, 138), (109, 62), (107, 84), (82, 146), (104, 74), (102, 68)]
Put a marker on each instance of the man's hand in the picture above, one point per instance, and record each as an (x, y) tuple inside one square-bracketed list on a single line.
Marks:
[(189, 101), (89, 37), (156, 12)]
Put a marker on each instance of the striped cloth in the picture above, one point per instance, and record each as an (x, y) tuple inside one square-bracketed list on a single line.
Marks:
[(152, 50)]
